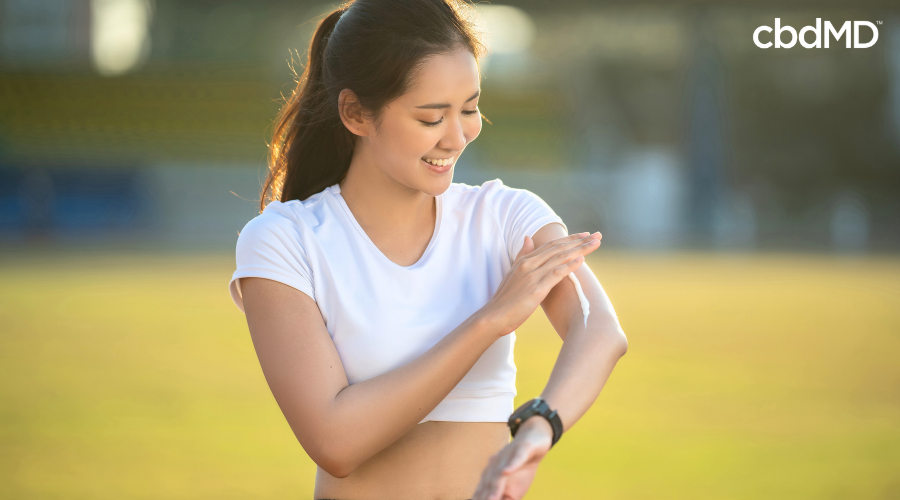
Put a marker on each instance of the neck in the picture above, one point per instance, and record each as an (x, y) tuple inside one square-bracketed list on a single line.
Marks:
[(380, 203)]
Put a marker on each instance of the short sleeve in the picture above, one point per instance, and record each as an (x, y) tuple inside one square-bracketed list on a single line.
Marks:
[(270, 247), (521, 213)]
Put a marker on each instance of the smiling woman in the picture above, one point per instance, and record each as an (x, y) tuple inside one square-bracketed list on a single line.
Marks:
[(411, 124), (368, 60), (382, 298)]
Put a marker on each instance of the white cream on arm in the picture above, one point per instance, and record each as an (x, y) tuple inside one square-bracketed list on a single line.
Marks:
[(585, 306)]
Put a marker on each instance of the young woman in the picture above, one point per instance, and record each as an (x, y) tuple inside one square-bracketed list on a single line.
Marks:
[(382, 298)]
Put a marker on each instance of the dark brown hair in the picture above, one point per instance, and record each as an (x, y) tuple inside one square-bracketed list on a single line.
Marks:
[(374, 48)]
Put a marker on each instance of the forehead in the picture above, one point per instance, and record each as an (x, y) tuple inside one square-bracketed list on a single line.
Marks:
[(444, 78)]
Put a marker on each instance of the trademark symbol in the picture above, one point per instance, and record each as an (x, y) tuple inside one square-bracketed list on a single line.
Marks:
[(878, 22)]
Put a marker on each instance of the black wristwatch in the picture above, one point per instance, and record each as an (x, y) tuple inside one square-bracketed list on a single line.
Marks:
[(536, 406)]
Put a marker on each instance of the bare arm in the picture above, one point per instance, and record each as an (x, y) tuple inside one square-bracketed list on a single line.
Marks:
[(588, 355), (585, 362), (340, 425)]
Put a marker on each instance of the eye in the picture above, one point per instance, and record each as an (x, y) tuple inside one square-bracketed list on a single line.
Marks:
[(434, 124)]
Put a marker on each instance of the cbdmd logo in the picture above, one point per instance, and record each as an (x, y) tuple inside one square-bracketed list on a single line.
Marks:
[(820, 33)]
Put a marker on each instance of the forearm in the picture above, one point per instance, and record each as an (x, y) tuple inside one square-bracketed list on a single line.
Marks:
[(589, 353), (585, 362), (366, 417), (587, 358)]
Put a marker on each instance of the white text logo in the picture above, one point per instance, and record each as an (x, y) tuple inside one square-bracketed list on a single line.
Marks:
[(819, 33)]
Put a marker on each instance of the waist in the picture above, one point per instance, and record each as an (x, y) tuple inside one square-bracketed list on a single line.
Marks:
[(435, 460)]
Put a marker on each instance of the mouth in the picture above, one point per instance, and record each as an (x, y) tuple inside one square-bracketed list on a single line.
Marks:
[(439, 165)]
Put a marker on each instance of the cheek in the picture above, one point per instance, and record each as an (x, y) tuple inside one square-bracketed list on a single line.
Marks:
[(416, 140), (472, 130), (404, 140)]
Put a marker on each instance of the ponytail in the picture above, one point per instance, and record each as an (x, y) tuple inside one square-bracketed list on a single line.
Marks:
[(308, 132)]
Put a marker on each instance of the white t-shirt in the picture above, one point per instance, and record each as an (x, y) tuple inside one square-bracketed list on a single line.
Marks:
[(381, 315)]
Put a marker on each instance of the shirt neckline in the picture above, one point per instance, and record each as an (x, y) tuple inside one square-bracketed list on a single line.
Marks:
[(439, 201)]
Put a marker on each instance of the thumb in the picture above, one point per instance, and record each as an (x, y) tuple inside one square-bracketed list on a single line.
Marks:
[(527, 247)]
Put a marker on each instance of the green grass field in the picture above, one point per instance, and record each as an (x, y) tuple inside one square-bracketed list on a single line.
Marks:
[(758, 376)]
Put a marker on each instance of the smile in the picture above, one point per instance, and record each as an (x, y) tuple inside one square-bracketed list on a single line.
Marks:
[(438, 165), (439, 162)]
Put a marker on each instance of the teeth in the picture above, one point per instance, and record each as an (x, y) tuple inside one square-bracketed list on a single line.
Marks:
[(439, 163)]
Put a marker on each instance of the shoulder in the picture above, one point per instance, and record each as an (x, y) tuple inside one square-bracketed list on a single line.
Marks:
[(283, 230), (272, 246), (466, 194), (518, 212), (486, 187), (276, 220), (504, 201), (288, 219), (494, 189)]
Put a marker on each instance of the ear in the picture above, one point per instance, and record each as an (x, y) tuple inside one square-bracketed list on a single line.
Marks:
[(351, 113)]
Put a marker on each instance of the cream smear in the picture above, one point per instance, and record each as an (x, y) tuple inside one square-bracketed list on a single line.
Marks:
[(585, 306)]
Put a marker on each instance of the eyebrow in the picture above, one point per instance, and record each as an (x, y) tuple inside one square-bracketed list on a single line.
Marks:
[(443, 105)]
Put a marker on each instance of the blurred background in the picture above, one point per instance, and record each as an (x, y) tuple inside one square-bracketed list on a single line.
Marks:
[(749, 201)]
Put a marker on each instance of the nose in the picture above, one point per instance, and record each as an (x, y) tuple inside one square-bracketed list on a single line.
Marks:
[(455, 137)]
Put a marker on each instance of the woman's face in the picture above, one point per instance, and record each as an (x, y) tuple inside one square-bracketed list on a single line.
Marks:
[(434, 120)]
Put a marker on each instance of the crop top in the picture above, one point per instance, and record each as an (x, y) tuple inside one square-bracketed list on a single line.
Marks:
[(381, 315)]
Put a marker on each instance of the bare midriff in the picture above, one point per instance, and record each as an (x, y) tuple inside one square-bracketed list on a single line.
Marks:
[(435, 461)]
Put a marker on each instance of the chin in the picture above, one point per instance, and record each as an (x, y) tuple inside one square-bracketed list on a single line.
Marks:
[(437, 184)]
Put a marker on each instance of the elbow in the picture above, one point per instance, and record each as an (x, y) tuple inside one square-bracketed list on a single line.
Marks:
[(612, 336), (333, 463), (339, 471), (621, 343), (332, 457)]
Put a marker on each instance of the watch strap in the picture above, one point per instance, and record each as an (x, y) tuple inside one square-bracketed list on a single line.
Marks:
[(556, 425), (537, 406)]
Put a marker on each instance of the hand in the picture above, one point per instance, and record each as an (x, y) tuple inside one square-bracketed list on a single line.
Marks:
[(511, 470), (533, 274)]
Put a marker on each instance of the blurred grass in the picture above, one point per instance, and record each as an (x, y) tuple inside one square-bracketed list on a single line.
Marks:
[(757, 376)]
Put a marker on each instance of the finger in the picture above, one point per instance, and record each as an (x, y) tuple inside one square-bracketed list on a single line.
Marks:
[(495, 472), (567, 252), (564, 239), (550, 251), (491, 488), (483, 492), (556, 274), (485, 477), (527, 248), (499, 486), (547, 251), (484, 485)]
